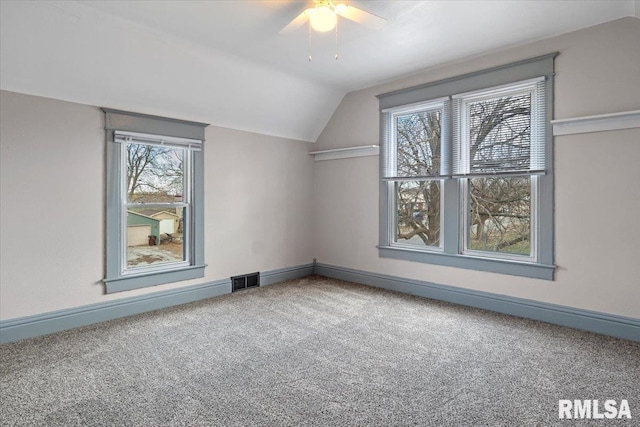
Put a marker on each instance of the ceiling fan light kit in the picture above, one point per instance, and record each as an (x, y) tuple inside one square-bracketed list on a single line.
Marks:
[(323, 17)]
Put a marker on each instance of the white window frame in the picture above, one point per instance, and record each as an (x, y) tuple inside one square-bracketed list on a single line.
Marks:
[(454, 189), (187, 182), (394, 113), (393, 217), (515, 89), (466, 225)]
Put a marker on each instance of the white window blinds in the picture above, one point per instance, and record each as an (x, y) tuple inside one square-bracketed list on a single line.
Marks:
[(149, 139), (500, 131), (414, 137)]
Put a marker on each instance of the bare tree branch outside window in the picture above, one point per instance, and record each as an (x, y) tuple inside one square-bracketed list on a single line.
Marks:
[(418, 154), (500, 207)]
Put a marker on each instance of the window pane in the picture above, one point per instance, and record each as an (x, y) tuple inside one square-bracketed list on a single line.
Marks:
[(418, 213), (418, 143), (500, 134), (500, 215), (154, 236), (154, 173)]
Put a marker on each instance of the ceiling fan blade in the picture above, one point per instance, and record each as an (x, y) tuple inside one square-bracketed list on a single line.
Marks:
[(360, 16), (298, 22)]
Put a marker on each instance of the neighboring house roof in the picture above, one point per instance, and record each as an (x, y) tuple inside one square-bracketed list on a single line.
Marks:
[(142, 215), (148, 212), (165, 212)]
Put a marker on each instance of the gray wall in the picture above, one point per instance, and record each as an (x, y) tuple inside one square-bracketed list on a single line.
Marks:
[(257, 205), (597, 195)]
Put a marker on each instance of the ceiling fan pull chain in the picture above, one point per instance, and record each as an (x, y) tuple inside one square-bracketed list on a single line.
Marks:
[(337, 38), (310, 57)]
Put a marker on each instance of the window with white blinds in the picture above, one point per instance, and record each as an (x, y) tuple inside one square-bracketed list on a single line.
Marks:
[(466, 171), (415, 164), (500, 131), (414, 136)]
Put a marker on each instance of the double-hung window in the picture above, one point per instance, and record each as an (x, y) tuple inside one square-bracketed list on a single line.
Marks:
[(498, 153), (154, 200), (414, 168), (466, 171)]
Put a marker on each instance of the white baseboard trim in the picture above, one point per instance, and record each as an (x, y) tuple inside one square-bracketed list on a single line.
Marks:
[(601, 323)]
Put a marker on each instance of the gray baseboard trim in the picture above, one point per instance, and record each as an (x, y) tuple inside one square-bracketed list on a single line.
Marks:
[(288, 273), (42, 324), (601, 323)]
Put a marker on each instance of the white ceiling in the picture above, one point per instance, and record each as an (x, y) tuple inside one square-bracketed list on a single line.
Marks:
[(224, 62)]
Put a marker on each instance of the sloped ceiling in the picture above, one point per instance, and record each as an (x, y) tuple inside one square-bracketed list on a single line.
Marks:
[(223, 62)]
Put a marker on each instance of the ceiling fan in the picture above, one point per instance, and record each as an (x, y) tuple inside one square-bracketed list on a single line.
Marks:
[(323, 17)]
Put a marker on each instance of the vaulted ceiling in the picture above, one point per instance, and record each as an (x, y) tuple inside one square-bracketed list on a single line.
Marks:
[(224, 62)]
